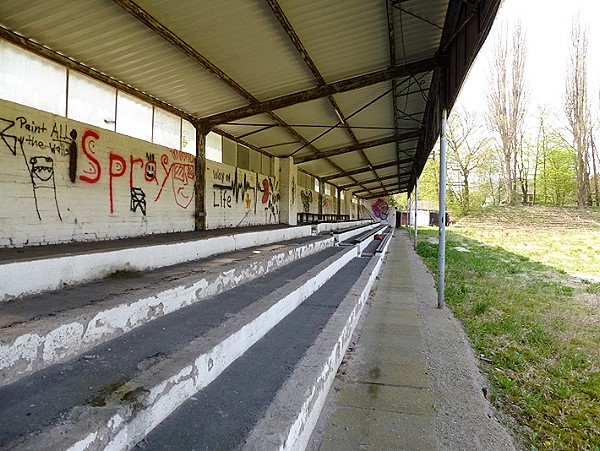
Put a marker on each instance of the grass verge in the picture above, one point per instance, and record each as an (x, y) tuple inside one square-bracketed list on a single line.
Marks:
[(539, 328)]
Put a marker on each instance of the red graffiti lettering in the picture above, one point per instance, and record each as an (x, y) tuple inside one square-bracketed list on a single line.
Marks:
[(265, 197), (182, 180), (88, 144), (117, 167)]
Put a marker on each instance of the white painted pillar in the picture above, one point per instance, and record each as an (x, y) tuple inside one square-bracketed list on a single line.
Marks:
[(288, 187), (348, 203)]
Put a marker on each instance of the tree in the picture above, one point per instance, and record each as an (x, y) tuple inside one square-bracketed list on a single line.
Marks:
[(507, 100), (577, 109), (466, 147), (556, 177)]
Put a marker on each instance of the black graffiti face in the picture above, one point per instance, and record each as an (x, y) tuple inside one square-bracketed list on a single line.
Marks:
[(42, 168)]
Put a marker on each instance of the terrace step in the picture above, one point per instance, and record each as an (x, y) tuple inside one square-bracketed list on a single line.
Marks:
[(120, 390), (39, 269), (44, 329)]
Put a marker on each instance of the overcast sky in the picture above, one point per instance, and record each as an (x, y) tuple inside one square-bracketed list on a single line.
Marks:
[(547, 24)]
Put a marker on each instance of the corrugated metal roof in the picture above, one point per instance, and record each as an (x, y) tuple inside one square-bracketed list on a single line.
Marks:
[(209, 59)]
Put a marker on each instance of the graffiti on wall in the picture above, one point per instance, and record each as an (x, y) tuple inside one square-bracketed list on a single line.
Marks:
[(307, 198), (41, 168), (253, 191), (293, 198), (48, 148), (177, 171), (328, 206), (380, 208)]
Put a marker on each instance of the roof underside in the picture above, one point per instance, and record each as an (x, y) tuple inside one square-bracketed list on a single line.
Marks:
[(352, 90)]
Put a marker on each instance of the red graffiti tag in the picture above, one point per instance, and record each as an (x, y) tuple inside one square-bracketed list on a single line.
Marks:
[(265, 197), (88, 144)]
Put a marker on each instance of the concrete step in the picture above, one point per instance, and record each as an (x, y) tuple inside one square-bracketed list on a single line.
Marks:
[(271, 397), (45, 329), (114, 395), (36, 270)]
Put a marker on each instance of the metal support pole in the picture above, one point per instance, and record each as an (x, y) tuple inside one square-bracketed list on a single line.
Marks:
[(442, 223), (409, 220), (416, 212)]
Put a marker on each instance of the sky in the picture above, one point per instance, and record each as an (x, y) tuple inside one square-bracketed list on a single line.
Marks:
[(547, 25)]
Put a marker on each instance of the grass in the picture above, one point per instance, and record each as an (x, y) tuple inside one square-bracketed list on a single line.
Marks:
[(539, 326)]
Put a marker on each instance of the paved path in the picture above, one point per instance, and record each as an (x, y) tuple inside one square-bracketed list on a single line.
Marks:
[(411, 381), (386, 403)]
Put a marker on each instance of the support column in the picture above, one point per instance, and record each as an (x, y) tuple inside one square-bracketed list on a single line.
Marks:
[(442, 223), (200, 178), (409, 220), (339, 201), (321, 187), (348, 204), (288, 177), (416, 212)]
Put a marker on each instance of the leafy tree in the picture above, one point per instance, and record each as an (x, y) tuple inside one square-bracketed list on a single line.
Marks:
[(556, 178), (466, 152)]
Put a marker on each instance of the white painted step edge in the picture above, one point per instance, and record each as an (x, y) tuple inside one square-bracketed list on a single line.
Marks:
[(291, 418), (34, 345), (29, 277), (141, 404)]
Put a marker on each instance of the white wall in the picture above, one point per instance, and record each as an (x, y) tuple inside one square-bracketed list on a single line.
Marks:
[(378, 208), (236, 197), (308, 200), (121, 186), (329, 204)]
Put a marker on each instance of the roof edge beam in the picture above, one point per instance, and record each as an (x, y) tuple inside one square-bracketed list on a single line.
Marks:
[(71, 64), (319, 92)]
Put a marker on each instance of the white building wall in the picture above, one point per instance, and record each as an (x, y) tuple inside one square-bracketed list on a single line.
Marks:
[(236, 197), (115, 186), (329, 204), (308, 200)]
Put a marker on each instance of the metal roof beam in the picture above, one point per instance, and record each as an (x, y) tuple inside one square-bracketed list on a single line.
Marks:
[(287, 26), (366, 182), (364, 169), (400, 189), (415, 134), (147, 19), (361, 81), (385, 187)]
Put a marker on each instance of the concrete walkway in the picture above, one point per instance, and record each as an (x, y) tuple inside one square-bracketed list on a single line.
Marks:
[(386, 403), (411, 380)]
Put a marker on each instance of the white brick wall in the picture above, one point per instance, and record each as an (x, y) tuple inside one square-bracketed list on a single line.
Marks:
[(41, 204), (236, 197), (122, 186)]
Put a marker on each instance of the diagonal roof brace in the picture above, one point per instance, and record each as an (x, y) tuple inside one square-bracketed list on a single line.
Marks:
[(374, 167), (307, 95), (413, 134), (367, 182)]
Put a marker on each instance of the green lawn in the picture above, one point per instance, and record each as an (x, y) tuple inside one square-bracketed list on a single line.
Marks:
[(538, 326)]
